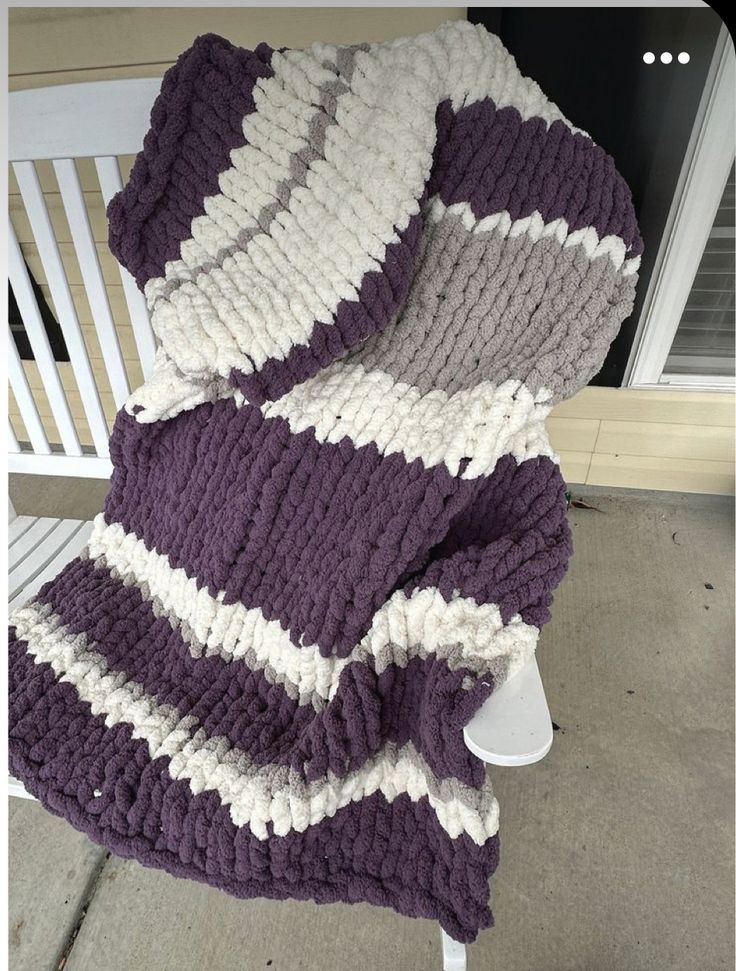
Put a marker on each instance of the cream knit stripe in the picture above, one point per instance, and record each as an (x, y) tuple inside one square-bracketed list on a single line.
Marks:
[(465, 634), (481, 423), (475, 65), (285, 135), (355, 201), (256, 795)]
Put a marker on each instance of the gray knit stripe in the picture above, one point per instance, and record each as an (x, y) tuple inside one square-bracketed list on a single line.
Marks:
[(299, 163), (475, 294)]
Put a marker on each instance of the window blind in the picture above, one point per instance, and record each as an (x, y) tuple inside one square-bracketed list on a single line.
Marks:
[(704, 341)]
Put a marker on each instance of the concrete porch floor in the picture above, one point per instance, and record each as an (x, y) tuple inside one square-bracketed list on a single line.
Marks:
[(617, 849)]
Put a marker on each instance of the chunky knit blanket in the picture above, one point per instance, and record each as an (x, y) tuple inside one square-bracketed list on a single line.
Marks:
[(335, 520)]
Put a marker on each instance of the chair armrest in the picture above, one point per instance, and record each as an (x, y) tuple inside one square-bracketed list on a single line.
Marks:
[(513, 727), (16, 788)]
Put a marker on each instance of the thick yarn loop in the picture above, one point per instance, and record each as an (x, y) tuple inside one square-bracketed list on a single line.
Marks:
[(335, 521), (195, 123)]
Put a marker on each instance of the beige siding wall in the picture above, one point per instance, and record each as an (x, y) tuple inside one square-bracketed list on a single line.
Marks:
[(641, 439), (681, 441)]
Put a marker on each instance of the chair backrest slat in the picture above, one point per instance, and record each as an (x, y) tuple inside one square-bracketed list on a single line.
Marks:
[(37, 338), (100, 120), (43, 233), (76, 120), (72, 198), (26, 401), (108, 173), (13, 443)]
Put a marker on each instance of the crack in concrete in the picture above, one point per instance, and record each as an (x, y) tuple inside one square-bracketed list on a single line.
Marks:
[(87, 897)]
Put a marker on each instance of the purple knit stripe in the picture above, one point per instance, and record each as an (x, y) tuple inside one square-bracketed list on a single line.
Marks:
[(493, 160), (390, 854), (511, 546), (423, 703), (316, 535), (344, 525), (382, 293), (196, 121)]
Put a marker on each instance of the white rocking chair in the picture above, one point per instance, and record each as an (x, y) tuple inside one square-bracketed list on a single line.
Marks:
[(103, 120)]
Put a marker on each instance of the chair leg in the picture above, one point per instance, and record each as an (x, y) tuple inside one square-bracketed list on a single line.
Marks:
[(454, 957)]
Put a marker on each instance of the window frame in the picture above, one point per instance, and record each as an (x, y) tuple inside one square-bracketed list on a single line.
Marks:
[(705, 171)]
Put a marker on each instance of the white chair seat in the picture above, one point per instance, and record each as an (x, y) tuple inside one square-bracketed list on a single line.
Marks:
[(17, 789), (38, 549)]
